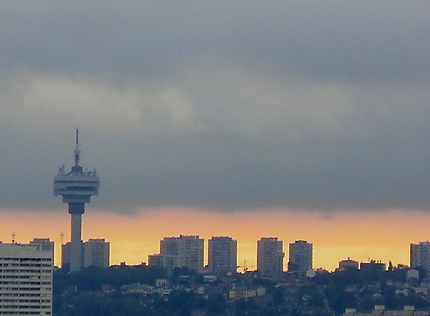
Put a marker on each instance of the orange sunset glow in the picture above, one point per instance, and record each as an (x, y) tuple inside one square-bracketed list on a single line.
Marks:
[(335, 236)]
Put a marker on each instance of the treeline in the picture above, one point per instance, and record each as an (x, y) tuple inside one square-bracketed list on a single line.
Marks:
[(93, 279), (95, 291)]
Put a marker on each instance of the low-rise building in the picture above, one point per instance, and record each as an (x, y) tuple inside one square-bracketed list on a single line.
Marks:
[(408, 310), (240, 292), (348, 264)]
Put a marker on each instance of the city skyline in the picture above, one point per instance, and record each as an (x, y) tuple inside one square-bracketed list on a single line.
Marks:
[(384, 243), (301, 120)]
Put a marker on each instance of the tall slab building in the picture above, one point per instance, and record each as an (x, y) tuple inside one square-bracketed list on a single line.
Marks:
[(96, 253), (76, 187), (222, 255), (300, 256), (26, 279), (270, 257), (420, 255), (182, 252)]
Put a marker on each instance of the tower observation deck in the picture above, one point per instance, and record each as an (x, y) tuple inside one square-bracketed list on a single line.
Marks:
[(76, 188)]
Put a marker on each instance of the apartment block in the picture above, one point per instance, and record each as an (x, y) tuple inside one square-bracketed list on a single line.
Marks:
[(26, 279), (420, 255), (96, 253), (270, 257), (183, 251), (300, 256), (222, 255)]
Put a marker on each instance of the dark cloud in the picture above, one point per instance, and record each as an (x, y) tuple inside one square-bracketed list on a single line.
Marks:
[(363, 40), (218, 105)]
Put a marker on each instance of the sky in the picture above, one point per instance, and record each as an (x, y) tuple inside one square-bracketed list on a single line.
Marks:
[(229, 112)]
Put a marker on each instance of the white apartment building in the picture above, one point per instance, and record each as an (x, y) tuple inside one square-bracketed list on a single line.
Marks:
[(270, 257), (222, 255), (26, 274)]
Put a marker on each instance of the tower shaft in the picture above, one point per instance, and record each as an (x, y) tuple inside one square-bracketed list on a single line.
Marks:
[(76, 210)]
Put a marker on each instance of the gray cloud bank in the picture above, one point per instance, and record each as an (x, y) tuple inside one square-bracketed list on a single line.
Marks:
[(218, 105)]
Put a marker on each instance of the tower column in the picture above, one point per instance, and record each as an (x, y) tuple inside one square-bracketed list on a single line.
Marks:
[(76, 210)]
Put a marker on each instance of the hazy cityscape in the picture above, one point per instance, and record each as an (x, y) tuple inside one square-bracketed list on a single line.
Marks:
[(176, 280), (29, 284), (214, 158)]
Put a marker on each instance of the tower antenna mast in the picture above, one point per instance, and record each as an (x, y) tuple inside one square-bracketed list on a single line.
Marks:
[(77, 151)]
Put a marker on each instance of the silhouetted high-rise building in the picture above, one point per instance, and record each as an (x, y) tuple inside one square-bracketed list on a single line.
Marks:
[(183, 251), (76, 187), (300, 256), (420, 255), (169, 246), (270, 257), (222, 255), (96, 253)]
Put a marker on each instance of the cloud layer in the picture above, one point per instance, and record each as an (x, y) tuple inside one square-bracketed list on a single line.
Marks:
[(218, 105)]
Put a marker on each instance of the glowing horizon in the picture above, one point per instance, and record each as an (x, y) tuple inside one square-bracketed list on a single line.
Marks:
[(381, 235)]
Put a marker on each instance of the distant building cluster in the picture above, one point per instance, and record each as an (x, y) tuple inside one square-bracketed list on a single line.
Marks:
[(94, 253), (26, 271), (188, 252)]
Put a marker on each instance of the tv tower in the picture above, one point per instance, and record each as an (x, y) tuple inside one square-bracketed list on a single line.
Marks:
[(76, 188)]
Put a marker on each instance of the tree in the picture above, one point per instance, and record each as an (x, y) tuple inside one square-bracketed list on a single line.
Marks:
[(216, 304), (278, 296), (181, 302)]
